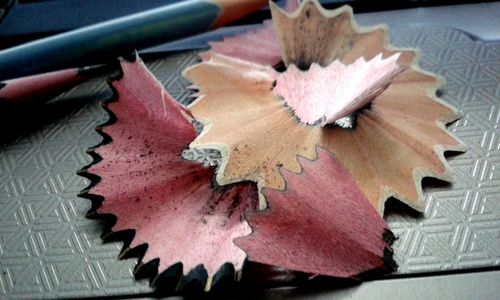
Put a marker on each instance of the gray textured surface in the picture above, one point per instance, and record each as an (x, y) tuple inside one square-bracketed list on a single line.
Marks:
[(49, 250), (481, 20), (461, 228)]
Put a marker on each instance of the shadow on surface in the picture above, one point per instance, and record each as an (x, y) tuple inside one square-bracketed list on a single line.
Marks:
[(17, 121)]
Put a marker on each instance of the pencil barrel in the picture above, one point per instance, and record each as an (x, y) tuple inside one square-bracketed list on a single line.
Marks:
[(100, 42)]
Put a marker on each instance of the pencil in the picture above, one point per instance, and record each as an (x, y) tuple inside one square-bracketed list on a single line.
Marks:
[(100, 42), (36, 89)]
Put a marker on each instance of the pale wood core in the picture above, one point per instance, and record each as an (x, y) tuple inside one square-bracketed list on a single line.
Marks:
[(399, 140)]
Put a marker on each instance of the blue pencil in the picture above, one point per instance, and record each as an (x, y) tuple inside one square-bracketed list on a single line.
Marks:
[(100, 42)]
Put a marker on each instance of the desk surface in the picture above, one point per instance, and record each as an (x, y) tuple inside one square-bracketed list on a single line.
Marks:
[(49, 250)]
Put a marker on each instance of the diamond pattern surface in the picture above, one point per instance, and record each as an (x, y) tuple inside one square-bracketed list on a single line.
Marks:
[(49, 250), (461, 224)]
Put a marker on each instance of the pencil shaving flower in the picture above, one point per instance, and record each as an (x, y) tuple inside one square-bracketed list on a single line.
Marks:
[(325, 185)]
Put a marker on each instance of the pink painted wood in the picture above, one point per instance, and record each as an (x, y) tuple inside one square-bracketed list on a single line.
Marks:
[(41, 87), (169, 202), (320, 224), (258, 46), (324, 95)]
